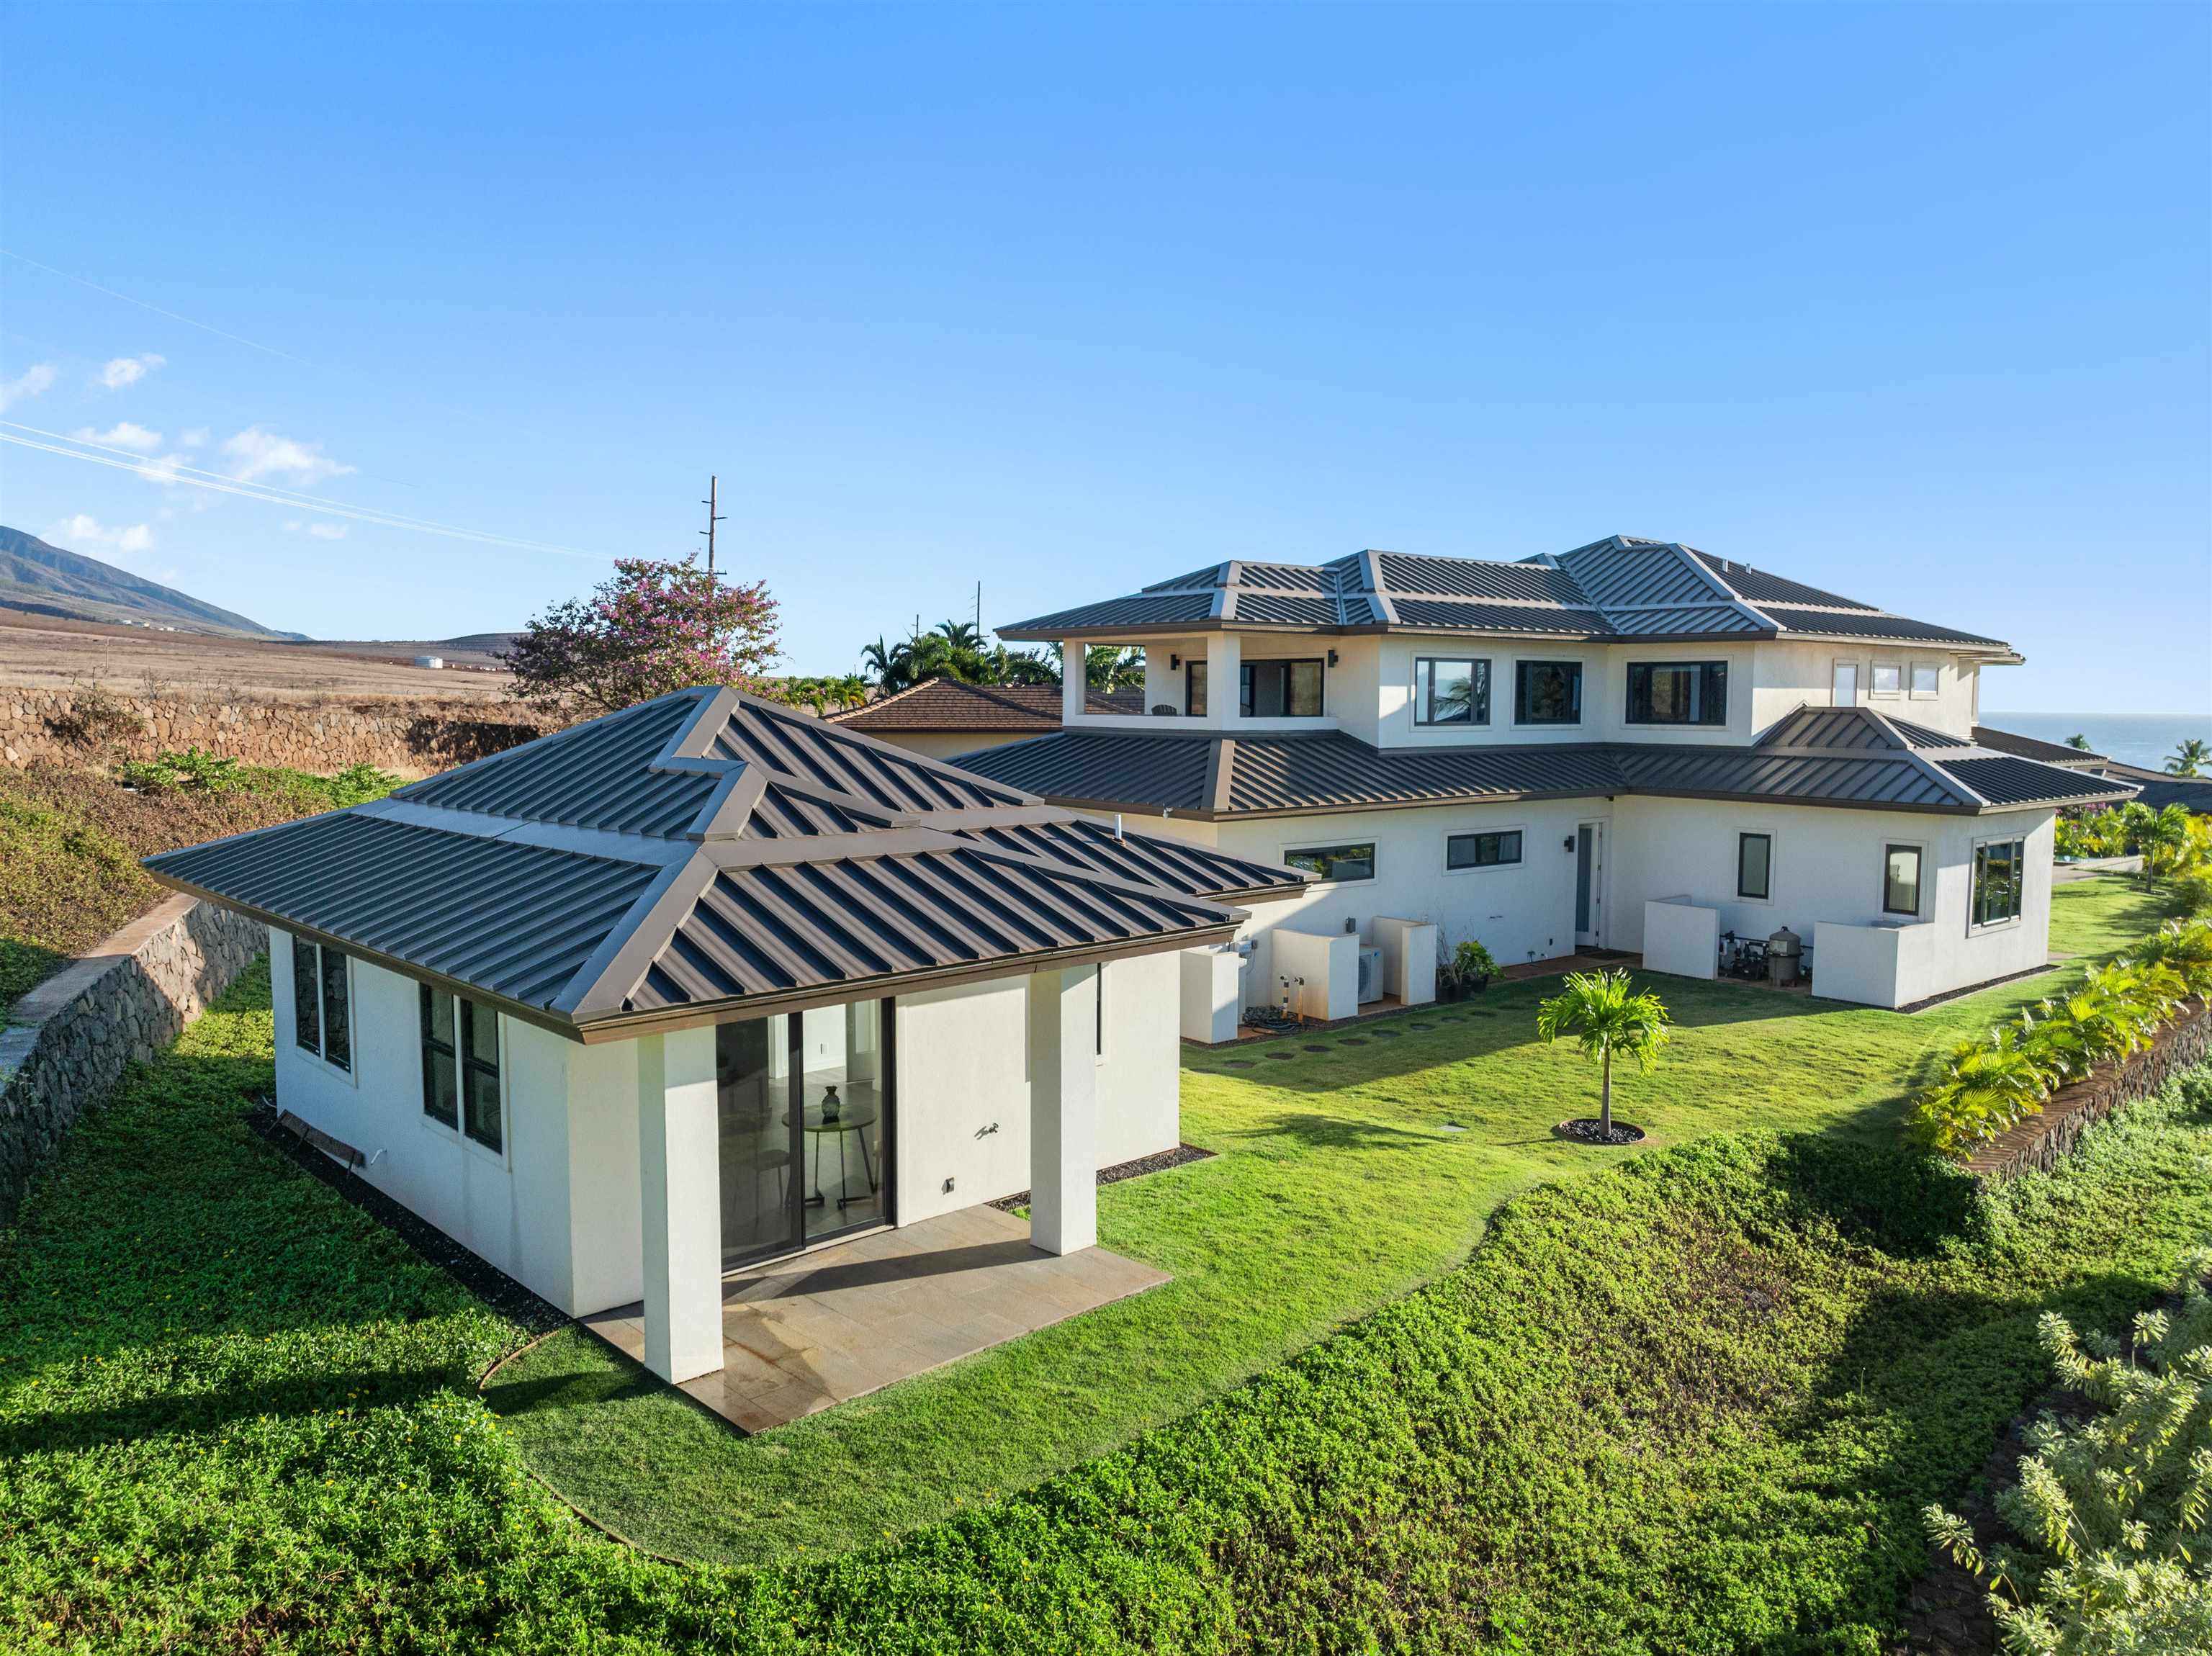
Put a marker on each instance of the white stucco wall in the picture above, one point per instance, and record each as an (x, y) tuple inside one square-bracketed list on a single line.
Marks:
[(963, 1097), (1787, 672), (1520, 911), (1827, 865)]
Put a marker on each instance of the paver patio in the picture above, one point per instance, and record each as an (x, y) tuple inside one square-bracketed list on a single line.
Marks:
[(802, 1334)]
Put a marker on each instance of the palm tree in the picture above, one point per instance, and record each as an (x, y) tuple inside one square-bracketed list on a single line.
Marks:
[(1611, 1020), (2079, 741), (2189, 758)]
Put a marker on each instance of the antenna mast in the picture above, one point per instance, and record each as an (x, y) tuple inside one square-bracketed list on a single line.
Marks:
[(713, 517)]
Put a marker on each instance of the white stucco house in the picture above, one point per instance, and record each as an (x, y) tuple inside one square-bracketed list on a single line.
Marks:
[(1632, 746), (708, 982)]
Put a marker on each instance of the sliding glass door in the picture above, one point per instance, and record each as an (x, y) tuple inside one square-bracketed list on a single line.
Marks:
[(805, 1106)]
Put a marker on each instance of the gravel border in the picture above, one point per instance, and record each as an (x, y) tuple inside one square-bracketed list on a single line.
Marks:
[(1180, 1157), (1583, 1130)]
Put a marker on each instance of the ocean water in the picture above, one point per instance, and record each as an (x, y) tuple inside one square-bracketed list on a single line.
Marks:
[(2143, 739)]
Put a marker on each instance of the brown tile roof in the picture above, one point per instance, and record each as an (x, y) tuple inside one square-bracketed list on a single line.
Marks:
[(946, 704)]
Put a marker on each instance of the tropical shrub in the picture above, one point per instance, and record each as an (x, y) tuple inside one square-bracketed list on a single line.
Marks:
[(1990, 1085), (2094, 832), (2114, 1553), (195, 770)]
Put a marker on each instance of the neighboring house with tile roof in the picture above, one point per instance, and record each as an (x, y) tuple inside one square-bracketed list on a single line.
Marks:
[(942, 717), (708, 981), (1571, 751)]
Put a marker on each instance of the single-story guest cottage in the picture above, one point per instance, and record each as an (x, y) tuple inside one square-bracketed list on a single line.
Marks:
[(706, 982)]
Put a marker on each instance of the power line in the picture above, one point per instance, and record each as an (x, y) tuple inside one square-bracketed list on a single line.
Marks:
[(270, 495), (236, 339)]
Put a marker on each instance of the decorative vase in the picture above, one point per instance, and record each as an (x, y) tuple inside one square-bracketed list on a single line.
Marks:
[(832, 1105)]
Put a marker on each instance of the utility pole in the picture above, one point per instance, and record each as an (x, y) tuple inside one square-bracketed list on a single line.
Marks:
[(713, 517), (979, 613)]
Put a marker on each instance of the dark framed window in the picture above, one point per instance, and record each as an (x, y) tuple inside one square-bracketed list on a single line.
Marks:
[(1754, 866), (480, 1099), (2000, 875), (441, 1058), (1336, 862), (1547, 693), (1448, 692), (1193, 689), (1279, 689), (1678, 693), (460, 1066), (322, 1004), (1483, 849), (1900, 879)]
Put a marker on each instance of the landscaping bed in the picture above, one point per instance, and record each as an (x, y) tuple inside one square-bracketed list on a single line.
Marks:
[(1693, 1403)]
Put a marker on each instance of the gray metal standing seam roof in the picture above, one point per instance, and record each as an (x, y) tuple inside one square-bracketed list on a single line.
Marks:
[(708, 853), (1830, 756), (1619, 587)]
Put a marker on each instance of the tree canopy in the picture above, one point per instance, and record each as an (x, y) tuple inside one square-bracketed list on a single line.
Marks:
[(654, 627)]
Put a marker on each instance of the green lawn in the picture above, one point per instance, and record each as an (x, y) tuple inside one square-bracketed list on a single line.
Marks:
[(1336, 1188), (1690, 1404)]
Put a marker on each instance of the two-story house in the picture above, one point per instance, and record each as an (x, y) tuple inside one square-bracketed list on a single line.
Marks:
[(1633, 745)]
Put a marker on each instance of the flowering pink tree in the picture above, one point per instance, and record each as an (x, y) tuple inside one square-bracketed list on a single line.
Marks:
[(654, 627)]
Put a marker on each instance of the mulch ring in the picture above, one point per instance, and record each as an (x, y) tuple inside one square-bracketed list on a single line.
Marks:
[(1584, 1130)]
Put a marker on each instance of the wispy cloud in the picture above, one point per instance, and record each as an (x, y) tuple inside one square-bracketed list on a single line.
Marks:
[(320, 531), (256, 453), (122, 370), (84, 530), (194, 437), (33, 381), (122, 434)]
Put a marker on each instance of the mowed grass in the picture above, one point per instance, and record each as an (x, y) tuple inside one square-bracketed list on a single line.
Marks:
[(1338, 1186)]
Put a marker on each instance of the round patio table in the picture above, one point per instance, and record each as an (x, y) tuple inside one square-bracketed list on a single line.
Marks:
[(853, 1119)]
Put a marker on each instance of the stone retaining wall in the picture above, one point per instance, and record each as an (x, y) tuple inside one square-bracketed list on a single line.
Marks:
[(2039, 1141), (395, 733), (68, 1039)]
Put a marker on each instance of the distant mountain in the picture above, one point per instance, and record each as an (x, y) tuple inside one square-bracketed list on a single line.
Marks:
[(46, 580)]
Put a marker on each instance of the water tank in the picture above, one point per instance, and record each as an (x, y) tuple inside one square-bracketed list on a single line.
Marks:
[(1785, 949), (1370, 975), (429, 661)]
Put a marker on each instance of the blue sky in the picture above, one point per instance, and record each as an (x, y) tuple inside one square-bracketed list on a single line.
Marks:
[(1909, 302)]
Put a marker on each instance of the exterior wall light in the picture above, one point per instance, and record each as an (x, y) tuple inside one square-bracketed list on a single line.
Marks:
[(1332, 657)]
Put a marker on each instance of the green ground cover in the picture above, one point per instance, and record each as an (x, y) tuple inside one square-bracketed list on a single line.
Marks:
[(1337, 1188), (1692, 1403), (70, 839)]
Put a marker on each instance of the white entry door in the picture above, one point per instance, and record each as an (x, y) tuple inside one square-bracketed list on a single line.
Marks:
[(1589, 884)]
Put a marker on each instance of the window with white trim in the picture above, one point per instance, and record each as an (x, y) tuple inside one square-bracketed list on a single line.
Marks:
[(1451, 692), (322, 1003), (1355, 861), (1754, 866), (460, 1066), (1900, 879), (2000, 881), (1486, 850), (1927, 681), (1888, 678), (1843, 691)]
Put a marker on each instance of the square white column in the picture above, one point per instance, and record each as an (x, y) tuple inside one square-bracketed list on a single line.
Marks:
[(1063, 1109), (679, 1162), (1225, 677), (1074, 660)]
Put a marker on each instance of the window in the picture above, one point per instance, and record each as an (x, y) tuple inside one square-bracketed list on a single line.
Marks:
[(1900, 880), (322, 1009), (1999, 873), (1451, 692), (460, 1065), (1193, 689), (1754, 866), (1483, 849), (1547, 693), (441, 1061), (1845, 691), (1927, 679), (1278, 689), (1336, 862), (1098, 1011), (1678, 693), (1888, 678)]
